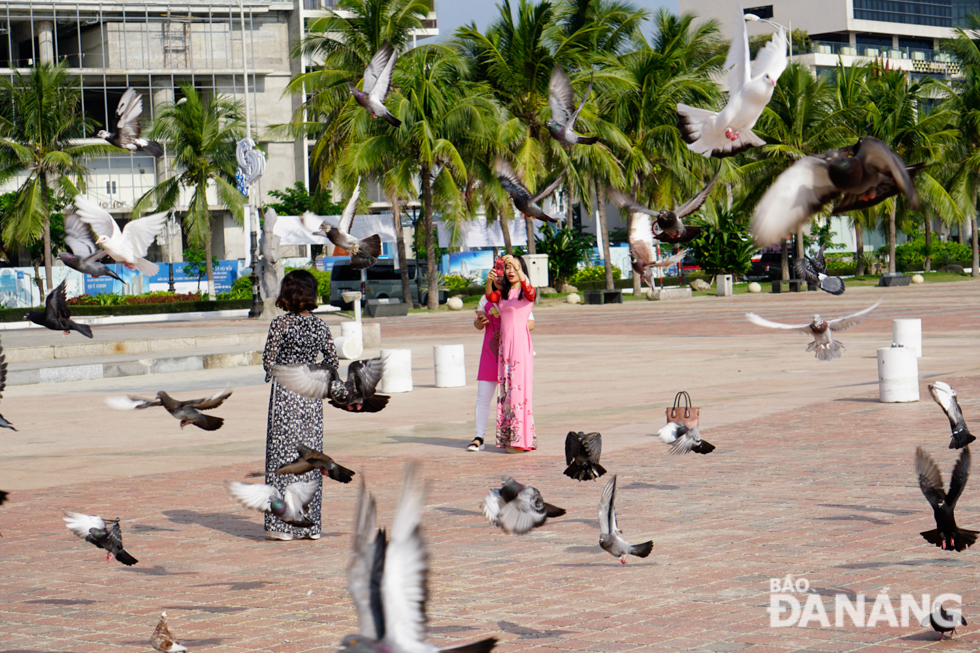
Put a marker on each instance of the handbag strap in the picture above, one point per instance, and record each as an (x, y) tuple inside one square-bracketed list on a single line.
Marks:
[(687, 399)]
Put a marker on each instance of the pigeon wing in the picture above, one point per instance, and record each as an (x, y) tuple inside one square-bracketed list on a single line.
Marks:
[(930, 478), (771, 60), (81, 524), (846, 322), (961, 472), (510, 181), (585, 97), (491, 505), (876, 154), (305, 381), (253, 495), (299, 494), (550, 187), (376, 67), (572, 447), (670, 260), (523, 513), (627, 202), (129, 112), (592, 443), (761, 321), (799, 192), (96, 217), (56, 304), (312, 222), (208, 403), (561, 97), (886, 188), (366, 375), (737, 61), (607, 508), (78, 236), (347, 217), (693, 204), (130, 402), (370, 616), (141, 233), (379, 92)]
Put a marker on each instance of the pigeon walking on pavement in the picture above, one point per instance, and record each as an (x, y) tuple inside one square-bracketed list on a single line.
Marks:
[(187, 411), (582, 452), (609, 534), (943, 621), (824, 345), (947, 535), (322, 381), (107, 536), (85, 256), (128, 134), (57, 315), (163, 640), (561, 99), (310, 459), (669, 227), (289, 506), (517, 508), (388, 580), (377, 84), (128, 245), (814, 272), (363, 253), (945, 396), (684, 439), (520, 195), (750, 88)]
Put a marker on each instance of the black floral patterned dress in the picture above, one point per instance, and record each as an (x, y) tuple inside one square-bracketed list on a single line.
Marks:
[(294, 340)]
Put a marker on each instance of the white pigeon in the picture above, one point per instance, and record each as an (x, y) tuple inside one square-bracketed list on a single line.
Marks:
[(129, 245), (945, 396), (289, 506), (377, 84), (163, 640), (823, 344), (363, 253), (609, 534), (730, 131), (684, 439), (517, 508)]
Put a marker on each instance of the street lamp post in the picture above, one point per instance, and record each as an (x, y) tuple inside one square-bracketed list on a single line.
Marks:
[(752, 18)]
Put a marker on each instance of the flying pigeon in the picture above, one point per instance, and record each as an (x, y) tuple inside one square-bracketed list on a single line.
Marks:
[(163, 640), (823, 344), (609, 537), (643, 267), (363, 253), (85, 256), (684, 439), (3, 384), (388, 580), (521, 196), (57, 315), (814, 272), (129, 245), (129, 113), (377, 84), (730, 132), (943, 621), (945, 396), (322, 381), (669, 227), (947, 535), (289, 506), (95, 530), (517, 508), (310, 459), (188, 411), (865, 174), (561, 98), (582, 453)]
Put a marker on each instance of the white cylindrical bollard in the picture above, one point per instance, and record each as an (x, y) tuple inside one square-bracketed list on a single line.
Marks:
[(450, 370), (908, 333), (898, 375), (398, 371), (348, 347), (352, 330)]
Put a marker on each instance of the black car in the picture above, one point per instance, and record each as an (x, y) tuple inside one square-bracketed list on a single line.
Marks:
[(769, 267)]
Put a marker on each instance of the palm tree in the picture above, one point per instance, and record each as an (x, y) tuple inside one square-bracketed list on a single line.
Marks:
[(202, 134), (40, 115)]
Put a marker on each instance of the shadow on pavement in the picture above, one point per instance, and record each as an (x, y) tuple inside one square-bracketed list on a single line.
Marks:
[(530, 633), (236, 525)]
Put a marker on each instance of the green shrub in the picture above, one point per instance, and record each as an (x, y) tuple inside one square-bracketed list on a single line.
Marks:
[(912, 255), (594, 273), (455, 282), (322, 280), (112, 299), (565, 248), (240, 289), (725, 248)]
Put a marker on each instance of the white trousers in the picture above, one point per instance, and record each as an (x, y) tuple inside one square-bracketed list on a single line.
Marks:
[(485, 390)]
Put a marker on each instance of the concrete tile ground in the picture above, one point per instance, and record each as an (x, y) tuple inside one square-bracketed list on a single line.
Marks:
[(812, 478)]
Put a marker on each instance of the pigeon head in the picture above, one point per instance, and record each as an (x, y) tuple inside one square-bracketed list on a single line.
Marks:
[(277, 506), (102, 239), (769, 78), (102, 134), (65, 256), (554, 127)]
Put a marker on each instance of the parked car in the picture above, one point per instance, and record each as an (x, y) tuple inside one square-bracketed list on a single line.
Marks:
[(768, 267), (380, 281)]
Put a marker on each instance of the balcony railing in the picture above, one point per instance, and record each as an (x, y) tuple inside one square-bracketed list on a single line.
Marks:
[(923, 60)]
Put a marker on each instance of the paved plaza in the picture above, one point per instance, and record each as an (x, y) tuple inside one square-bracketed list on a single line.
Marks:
[(812, 477)]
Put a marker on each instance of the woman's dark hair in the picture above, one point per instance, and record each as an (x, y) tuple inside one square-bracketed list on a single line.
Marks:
[(298, 292), (526, 274)]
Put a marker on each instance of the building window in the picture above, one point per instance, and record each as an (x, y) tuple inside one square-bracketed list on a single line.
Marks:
[(762, 12), (110, 188), (934, 13)]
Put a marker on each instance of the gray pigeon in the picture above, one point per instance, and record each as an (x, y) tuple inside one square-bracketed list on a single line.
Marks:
[(943, 621), (94, 529), (289, 505), (945, 396), (388, 580), (3, 384), (824, 345), (669, 227), (363, 253), (521, 196), (187, 411), (310, 459), (517, 508), (814, 272), (609, 538), (684, 439), (946, 535), (129, 114), (377, 84), (57, 315), (322, 381), (85, 256), (582, 452), (561, 98)]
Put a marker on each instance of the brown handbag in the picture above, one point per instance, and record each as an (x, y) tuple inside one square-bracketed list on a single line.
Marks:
[(687, 414)]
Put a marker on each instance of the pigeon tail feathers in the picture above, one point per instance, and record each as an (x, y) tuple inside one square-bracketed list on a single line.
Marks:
[(153, 149), (83, 329), (833, 285), (368, 252), (553, 511), (145, 267), (584, 471), (587, 140), (393, 121), (124, 557), (641, 550), (960, 439), (208, 422), (826, 352), (340, 474)]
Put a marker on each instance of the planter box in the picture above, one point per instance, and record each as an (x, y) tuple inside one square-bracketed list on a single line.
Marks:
[(386, 308), (603, 296), (17, 314), (890, 279), (793, 285)]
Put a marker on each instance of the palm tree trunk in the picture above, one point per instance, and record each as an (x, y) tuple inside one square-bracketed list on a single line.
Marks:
[(400, 244), (976, 249), (784, 259), (210, 269), (48, 272), (927, 266), (637, 281), (430, 246), (891, 236), (606, 262), (858, 248), (531, 249), (569, 213), (505, 229)]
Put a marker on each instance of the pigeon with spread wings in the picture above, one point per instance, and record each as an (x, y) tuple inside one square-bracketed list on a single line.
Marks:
[(517, 508), (85, 256), (945, 396), (57, 315), (669, 227), (95, 530), (814, 272), (946, 535), (521, 196), (582, 453), (684, 439), (388, 580), (322, 381), (188, 411), (129, 114), (310, 459), (561, 99), (363, 253), (750, 88), (128, 245), (861, 175), (610, 537), (824, 345), (289, 505), (377, 84)]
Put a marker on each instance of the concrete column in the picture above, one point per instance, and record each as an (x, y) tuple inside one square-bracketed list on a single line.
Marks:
[(162, 94), (45, 39)]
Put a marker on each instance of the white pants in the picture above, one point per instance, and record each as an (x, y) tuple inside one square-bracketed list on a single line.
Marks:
[(485, 391)]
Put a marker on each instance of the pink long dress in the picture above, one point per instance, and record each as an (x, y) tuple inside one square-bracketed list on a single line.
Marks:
[(515, 372), (488, 355)]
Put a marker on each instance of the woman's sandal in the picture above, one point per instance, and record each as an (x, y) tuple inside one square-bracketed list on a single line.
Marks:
[(476, 445)]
